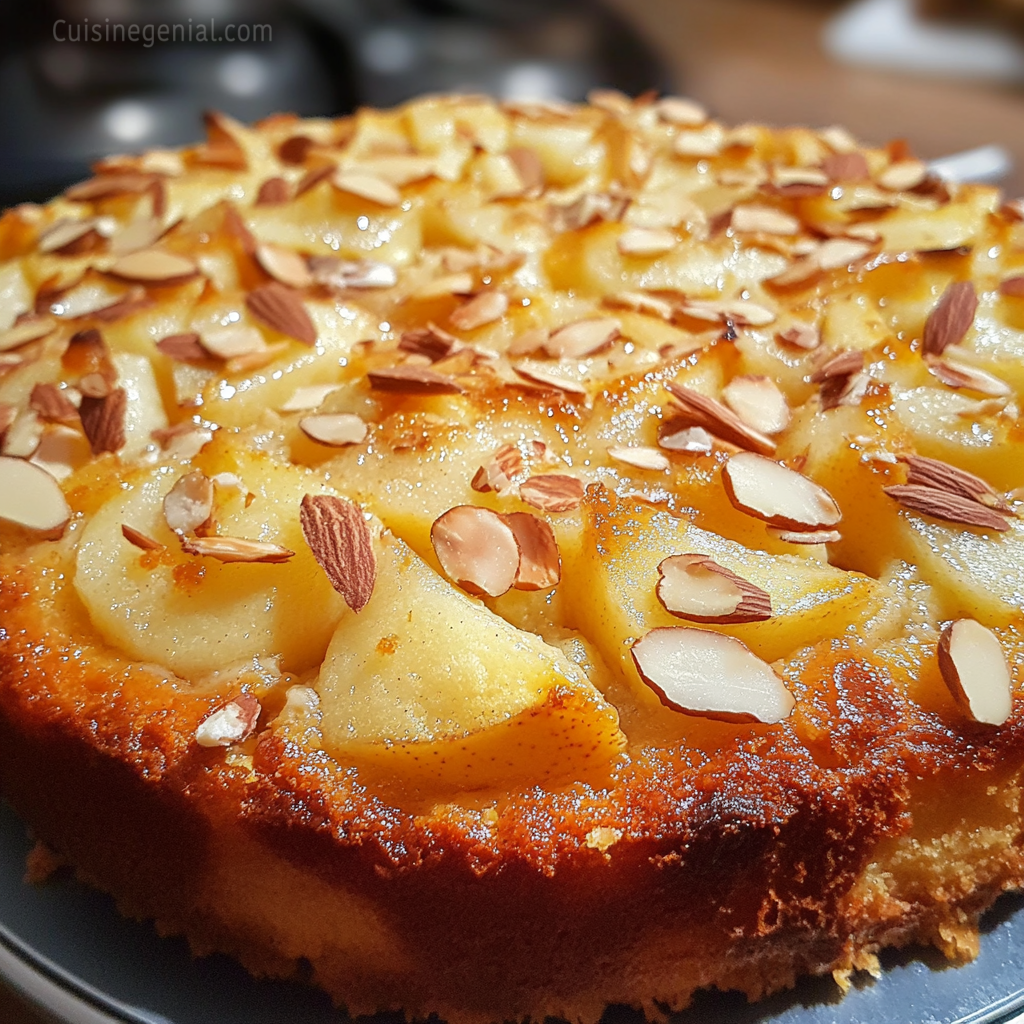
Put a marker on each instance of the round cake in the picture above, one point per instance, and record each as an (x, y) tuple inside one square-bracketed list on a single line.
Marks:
[(499, 560)]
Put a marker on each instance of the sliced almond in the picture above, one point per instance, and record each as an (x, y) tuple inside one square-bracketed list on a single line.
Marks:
[(689, 439), (805, 336), (235, 549), (778, 495), (646, 241), (903, 175), (540, 565), (639, 456), (973, 666), (105, 186), (8, 414), (582, 338), (737, 311), (1012, 286), (51, 403), (309, 397), (31, 498), (529, 167), (335, 430), (941, 475), (711, 675), (538, 375), (641, 302), (222, 148), (552, 492), (396, 168), (681, 111), (30, 329), (184, 348), (103, 420), (704, 142), (284, 265), (806, 536), (139, 540), (339, 537), (945, 505), (842, 364), (281, 309), (413, 380), (837, 391), (189, 503), (430, 341), (273, 192), (231, 723), (23, 437), (758, 402), (840, 252), (63, 235), (719, 419), (341, 274), (501, 471), (529, 342), (314, 176), (850, 166), (973, 378), (154, 266), (367, 186), (449, 284), (694, 587), (765, 220), (787, 177), (477, 549), (295, 149), (233, 341), (951, 318), (482, 309), (590, 208)]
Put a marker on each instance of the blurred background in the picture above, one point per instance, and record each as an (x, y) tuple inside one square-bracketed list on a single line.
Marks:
[(83, 78)]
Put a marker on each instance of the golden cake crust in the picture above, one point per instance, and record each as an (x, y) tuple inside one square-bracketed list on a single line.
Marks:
[(632, 854)]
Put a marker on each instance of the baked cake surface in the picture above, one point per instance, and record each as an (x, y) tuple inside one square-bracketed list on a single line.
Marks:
[(506, 559)]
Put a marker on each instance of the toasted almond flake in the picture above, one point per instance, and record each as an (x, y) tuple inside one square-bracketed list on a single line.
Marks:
[(945, 505), (413, 380), (189, 503), (694, 587), (95, 385), (582, 338), (367, 186), (22, 438), (689, 439), (314, 176), (430, 341), (1012, 286), (25, 331), (778, 495), (646, 241), (104, 186), (339, 536), (552, 492), (103, 420), (737, 311), (711, 675), (396, 168), (850, 390), (805, 336), (284, 265), (138, 234), (235, 549), (529, 168), (719, 419), (295, 149), (449, 284), (799, 274), (848, 166), (231, 723), (249, 362), (680, 111), (63, 235), (232, 341), (529, 342), (273, 192), (941, 475), (840, 252), (641, 302), (499, 473), (154, 266), (139, 540), (182, 441), (482, 309), (642, 458), (806, 536), (758, 402), (764, 219), (842, 364), (222, 148), (8, 414), (335, 430), (309, 397), (185, 348), (962, 375), (282, 310), (973, 666), (52, 403), (477, 549), (838, 138), (540, 565), (30, 497), (340, 274), (538, 375), (951, 318), (784, 177), (977, 411), (610, 100), (903, 175), (590, 208)]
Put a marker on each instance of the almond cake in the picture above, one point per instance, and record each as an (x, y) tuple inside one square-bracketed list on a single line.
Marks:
[(504, 559)]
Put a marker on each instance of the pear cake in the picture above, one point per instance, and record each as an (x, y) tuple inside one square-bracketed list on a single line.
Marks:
[(499, 560)]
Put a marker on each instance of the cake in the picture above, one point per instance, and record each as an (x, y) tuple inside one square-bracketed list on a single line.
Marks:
[(498, 560)]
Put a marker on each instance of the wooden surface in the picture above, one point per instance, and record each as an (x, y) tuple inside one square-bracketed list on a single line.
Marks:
[(762, 60)]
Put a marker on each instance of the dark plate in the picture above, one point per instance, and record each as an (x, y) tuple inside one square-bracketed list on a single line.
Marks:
[(73, 936)]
